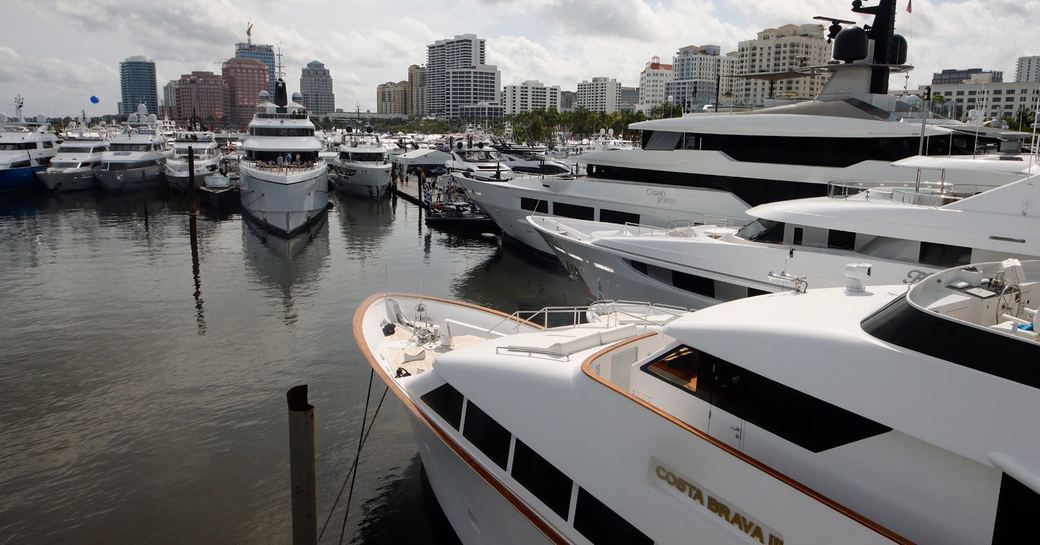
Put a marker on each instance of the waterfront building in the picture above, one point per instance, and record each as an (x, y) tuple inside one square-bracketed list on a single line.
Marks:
[(392, 98), (955, 75), (169, 101), (729, 65), (263, 53), (316, 88), (651, 83), (137, 85), (996, 99), (203, 96), (417, 90), (1028, 68), (479, 110), (529, 96), (463, 52), (601, 94), (695, 70), (629, 98), (245, 79), (777, 51), (471, 86)]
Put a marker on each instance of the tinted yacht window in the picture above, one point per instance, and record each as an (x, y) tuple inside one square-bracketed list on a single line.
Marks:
[(661, 140), (542, 478), (487, 435), (601, 525), (447, 402), (763, 231)]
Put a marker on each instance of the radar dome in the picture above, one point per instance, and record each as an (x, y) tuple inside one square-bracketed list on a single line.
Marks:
[(349, 129), (368, 129), (603, 131), (610, 132), (297, 97), (142, 109), (263, 96), (851, 44), (152, 118), (897, 50), (41, 118), (3, 117), (132, 118)]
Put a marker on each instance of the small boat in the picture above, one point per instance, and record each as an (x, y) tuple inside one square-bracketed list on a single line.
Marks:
[(459, 215)]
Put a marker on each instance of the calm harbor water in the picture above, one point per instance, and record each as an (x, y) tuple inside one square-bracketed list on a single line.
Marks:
[(143, 388)]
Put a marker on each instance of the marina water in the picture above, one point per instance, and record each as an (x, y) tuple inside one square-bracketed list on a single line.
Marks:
[(143, 389)]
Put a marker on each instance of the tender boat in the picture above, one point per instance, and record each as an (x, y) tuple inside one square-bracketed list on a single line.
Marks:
[(136, 157), (856, 415), (207, 158), (361, 167), (79, 155), (284, 184), (25, 149)]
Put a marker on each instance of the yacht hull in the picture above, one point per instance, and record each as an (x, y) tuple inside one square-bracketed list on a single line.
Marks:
[(18, 179), (67, 180), (284, 203), (134, 179), (369, 182)]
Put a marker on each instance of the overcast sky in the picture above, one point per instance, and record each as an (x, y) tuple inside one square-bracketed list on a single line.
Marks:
[(59, 53)]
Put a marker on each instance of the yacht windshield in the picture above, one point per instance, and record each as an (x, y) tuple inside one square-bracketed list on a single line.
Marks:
[(131, 147), (763, 231), (76, 149), (480, 156)]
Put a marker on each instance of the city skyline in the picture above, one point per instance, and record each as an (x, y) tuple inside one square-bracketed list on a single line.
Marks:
[(65, 58)]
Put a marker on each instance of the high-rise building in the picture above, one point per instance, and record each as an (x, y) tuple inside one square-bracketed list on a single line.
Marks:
[(651, 83), (392, 98), (729, 65), (138, 85), (568, 101), (203, 96), (781, 50), (245, 79), (471, 86), (529, 96), (316, 88), (263, 53), (1028, 68), (600, 95), (417, 76), (696, 69), (169, 101), (994, 99), (464, 51), (629, 98), (956, 75)]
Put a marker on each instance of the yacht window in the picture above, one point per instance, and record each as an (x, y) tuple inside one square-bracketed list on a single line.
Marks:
[(763, 231), (486, 434), (691, 141), (542, 479), (481, 156), (752, 292), (280, 131), (614, 216), (601, 525), (661, 140), (536, 205), (574, 211), (446, 401), (131, 147), (795, 416), (799, 235), (944, 255), (368, 157), (14, 146), (1017, 507), (693, 283), (75, 149), (48, 144), (20, 164), (638, 266), (841, 240)]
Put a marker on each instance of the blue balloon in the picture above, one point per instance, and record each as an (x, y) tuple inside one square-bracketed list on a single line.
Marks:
[(94, 99)]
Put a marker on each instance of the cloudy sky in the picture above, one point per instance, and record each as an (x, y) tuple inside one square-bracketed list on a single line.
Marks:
[(57, 53)]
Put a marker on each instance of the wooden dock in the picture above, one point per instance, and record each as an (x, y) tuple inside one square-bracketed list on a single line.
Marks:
[(409, 190)]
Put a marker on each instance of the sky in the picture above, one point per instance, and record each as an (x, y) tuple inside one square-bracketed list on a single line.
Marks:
[(57, 53)]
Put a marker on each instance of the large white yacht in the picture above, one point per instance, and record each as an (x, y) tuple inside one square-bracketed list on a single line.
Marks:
[(899, 231), (207, 156), (25, 149), (722, 164), (479, 162), (361, 166), (844, 415), (284, 182), (135, 158), (79, 154)]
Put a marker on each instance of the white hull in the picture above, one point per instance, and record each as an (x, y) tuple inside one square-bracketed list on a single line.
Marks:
[(133, 179), (179, 179), (366, 181), (284, 203), (67, 180)]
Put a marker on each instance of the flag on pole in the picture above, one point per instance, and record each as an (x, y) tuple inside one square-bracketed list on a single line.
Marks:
[(909, 6)]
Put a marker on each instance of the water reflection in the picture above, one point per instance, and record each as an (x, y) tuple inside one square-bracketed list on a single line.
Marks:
[(364, 223), (289, 266), (512, 278)]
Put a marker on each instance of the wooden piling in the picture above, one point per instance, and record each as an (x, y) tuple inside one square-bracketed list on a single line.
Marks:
[(302, 467)]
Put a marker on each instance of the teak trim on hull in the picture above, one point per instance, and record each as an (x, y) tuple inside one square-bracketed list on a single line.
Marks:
[(544, 527), (585, 367)]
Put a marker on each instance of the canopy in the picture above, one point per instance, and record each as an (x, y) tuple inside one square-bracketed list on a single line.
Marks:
[(421, 157)]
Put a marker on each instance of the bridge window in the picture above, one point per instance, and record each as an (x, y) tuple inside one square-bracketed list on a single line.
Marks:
[(446, 401)]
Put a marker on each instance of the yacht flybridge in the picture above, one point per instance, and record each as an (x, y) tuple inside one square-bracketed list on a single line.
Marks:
[(135, 158), (845, 415), (899, 231), (206, 158), (284, 182), (361, 167), (723, 164)]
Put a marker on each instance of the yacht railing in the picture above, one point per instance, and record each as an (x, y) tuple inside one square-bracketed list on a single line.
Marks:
[(681, 228), (290, 168), (922, 192), (604, 314)]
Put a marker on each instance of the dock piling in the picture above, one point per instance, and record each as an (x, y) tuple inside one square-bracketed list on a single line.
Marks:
[(302, 467)]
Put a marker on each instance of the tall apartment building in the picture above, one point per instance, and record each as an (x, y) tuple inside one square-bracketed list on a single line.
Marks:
[(651, 83), (629, 98), (138, 86), (1028, 68), (777, 50), (695, 70), (263, 53), (995, 99), (392, 98), (245, 79), (169, 99), (451, 58), (730, 66), (529, 96), (203, 95), (417, 90), (316, 88), (955, 75), (600, 95), (471, 86)]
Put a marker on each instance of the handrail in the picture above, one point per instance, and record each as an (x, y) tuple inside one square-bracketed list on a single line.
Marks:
[(613, 310)]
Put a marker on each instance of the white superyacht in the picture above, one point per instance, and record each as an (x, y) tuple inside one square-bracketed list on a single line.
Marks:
[(284, 181), (79, 155), (845, 416), (207, 157), (26, 148), (135, 158), (361, 166)]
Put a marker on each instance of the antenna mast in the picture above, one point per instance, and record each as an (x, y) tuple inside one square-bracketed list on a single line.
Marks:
[(278, 70), (249, 34)]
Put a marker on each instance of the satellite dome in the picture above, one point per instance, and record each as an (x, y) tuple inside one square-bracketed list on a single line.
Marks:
[(133, 118), (368, 129), (297, 97), (610, 132), (851, 44), (41, 118), (142, 109), (263, 96), (152, 118)]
